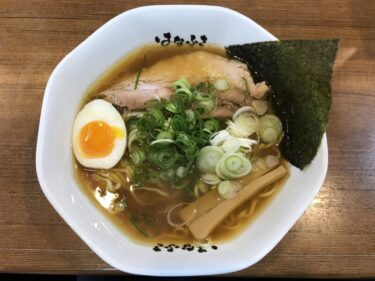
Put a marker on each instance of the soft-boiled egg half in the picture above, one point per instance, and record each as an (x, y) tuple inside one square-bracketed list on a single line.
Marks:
[(99, 135)]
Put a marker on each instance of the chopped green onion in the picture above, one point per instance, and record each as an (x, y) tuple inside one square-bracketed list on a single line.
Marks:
[(164, 135), (140, 72), (138, 157), (222, 136), (210, 179), (212, 125), (204, 87), (170, 134), (171, 107), (236, 130), (185, 93), (233, 166), (246, 143), (233, 163), (167, 124), (200, 188), (190, 117), (180, 123), (270, 120), (154, 118), (219, 137), (136, 114), (163, 157), (167, 175), (207, 159), (241, 110), (208, 105), (231, 145), (187, 144), (131, 123), (228, 189), (270, 128), (159, 141), (183, 89), (245, 124), (181, 172), (221, 84), (269, 135), (203, 96), (158, 116), (181, 83)]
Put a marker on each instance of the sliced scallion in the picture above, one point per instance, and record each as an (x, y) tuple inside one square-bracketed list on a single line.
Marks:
[(221, 84), (167, 175), (138, 157), (140, 72), (211, 179), (208, 105), (227, 189), (233, 166), (211, 125), (159, 141), (207, 159), (181, 172), (231, 145), (164, 135), (247, 123), (171, 107), (270, 128), (181, 83)]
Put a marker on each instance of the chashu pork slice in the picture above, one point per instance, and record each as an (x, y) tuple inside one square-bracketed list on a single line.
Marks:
[(155, 81)]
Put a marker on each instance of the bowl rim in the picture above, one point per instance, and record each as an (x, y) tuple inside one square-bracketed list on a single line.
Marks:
[(76, 228)]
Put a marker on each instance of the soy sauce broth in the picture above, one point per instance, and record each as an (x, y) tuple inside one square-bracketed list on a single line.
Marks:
[(146, 223)]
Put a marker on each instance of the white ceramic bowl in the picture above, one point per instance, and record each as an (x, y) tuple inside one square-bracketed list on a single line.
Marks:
[(62, 96)]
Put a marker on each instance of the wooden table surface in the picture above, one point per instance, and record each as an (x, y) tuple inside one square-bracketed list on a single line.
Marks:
[(336, 235)]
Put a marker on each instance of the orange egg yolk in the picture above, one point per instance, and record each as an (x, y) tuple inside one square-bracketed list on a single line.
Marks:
[(97, 139)]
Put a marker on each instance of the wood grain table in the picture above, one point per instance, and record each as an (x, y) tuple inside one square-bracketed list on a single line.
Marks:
[(336, 235)]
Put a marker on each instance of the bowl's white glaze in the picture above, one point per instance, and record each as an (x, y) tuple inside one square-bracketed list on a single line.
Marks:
[(63, 94)]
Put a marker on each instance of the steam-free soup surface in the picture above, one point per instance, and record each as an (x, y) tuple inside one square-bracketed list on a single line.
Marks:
[(139, 212)]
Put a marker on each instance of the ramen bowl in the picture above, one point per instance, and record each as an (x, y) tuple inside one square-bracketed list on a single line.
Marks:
[(69, 81)]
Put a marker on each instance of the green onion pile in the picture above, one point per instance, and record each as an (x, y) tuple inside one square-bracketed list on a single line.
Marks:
[(165, 140), (177, 142)]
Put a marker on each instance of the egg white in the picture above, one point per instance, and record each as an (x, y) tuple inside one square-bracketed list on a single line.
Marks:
[(99, 110)]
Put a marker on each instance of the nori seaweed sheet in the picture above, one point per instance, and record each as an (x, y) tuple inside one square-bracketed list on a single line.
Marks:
[(299, 74)]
